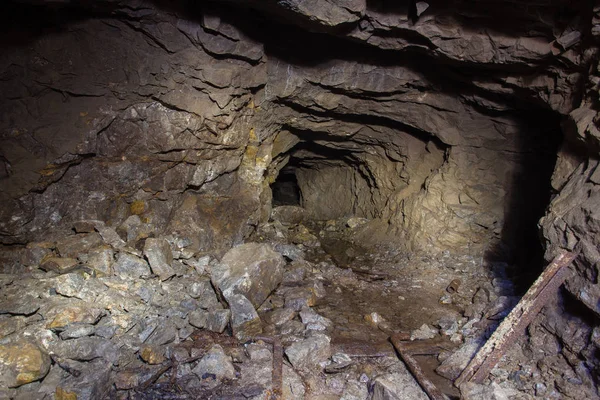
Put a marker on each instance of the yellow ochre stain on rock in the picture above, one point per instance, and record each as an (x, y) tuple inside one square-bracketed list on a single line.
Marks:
[(48, 170), (137, 207), (62, 394), (252, 136)]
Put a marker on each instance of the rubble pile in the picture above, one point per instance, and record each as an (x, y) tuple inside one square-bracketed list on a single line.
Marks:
[(98, 316)]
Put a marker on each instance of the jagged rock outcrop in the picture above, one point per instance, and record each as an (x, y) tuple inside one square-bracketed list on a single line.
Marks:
[(127, 126), (432, 119)]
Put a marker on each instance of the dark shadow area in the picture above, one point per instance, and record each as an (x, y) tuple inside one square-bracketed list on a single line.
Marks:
[(21, 24), (528, 194), (286, 191)]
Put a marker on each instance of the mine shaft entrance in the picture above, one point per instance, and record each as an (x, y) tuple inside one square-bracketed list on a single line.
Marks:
[(330, 182)]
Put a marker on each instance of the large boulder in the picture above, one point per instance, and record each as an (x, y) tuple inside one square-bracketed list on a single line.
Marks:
[(309, 352), (252, 269)]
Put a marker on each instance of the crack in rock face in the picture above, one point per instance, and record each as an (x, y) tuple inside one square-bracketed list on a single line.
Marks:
[(212, 178)]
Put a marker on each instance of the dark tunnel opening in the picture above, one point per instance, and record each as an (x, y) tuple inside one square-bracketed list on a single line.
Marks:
[(529, 192), (286, 191)]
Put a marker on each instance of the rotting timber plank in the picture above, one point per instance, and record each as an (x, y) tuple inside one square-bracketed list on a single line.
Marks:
[(519, 318), (432, 391)]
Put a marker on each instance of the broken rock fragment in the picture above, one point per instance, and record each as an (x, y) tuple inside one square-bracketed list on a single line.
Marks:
[(314, 321), (245, 321), (84, 226), (22, 362), (57, 264), (92, 383), (204, 293), (217, 320), (252, 269), (152, 354), (297, 298), (280, 316), (133, 377), (290, 215), (309, 352), (457, 362), (129, 266), (397, 386), (159, 255), (77, 330), (109, 235), (87, 349), (25, 305), (75, 245), (69, 285), (198, 318), (215, 364), (473, 391), (425, 332), (63, 317), (101, 259)]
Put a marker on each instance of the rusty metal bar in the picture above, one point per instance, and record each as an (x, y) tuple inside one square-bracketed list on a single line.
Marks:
[(519, 318), (432, 391), (277, 376), (277, 373)]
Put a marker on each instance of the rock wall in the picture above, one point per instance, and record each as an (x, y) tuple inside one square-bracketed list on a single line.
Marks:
[(149, 121), (178, 107), (572, 223)]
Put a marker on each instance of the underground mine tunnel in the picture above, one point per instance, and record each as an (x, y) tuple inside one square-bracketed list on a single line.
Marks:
[(299, 200)]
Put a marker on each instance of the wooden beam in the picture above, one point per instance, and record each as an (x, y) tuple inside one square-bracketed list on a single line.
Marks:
[(519, 318), (432, 391)]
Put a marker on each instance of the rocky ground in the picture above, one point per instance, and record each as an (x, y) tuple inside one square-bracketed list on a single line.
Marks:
[(110, 313)]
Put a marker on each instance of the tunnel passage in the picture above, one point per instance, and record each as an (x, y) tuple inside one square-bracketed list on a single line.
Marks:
[(462, 199), (330, 179)]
